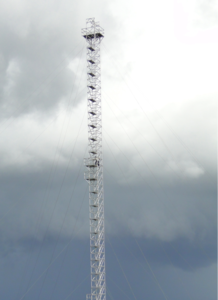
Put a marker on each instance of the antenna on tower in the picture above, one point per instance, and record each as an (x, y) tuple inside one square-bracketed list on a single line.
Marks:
[(94, 34)]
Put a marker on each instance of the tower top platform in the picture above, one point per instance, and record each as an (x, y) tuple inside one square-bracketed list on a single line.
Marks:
[(92, 30)]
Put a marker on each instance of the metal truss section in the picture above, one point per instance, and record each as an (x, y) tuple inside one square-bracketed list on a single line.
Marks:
[(94, 34)]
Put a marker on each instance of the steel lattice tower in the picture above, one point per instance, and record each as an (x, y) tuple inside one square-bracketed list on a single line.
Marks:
[(94, 34)]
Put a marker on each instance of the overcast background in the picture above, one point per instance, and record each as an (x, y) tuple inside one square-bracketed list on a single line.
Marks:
[(159, 98)]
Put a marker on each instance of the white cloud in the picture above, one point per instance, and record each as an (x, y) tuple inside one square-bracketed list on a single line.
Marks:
[(186, 168)]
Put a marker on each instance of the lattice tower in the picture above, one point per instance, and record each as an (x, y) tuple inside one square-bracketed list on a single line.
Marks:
[(94, 34)]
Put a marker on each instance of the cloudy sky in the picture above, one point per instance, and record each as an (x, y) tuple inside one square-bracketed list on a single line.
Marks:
[(159, 98)]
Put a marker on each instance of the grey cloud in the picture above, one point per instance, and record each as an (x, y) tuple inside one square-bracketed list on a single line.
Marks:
[(180, 216), (31, 75), (37, 44), (166, 206)]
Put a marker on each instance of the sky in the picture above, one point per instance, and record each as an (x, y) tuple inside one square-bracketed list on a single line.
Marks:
[(159, 109)]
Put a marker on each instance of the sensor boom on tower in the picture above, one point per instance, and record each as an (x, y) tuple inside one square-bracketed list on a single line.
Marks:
[(94, 34)]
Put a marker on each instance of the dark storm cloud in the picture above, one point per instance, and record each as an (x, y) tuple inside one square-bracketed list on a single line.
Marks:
[(35, 203), (72, 270), (181, 218), (180, 253)]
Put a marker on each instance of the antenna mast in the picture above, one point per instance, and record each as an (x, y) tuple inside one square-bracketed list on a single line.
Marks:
[(94, 34)]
